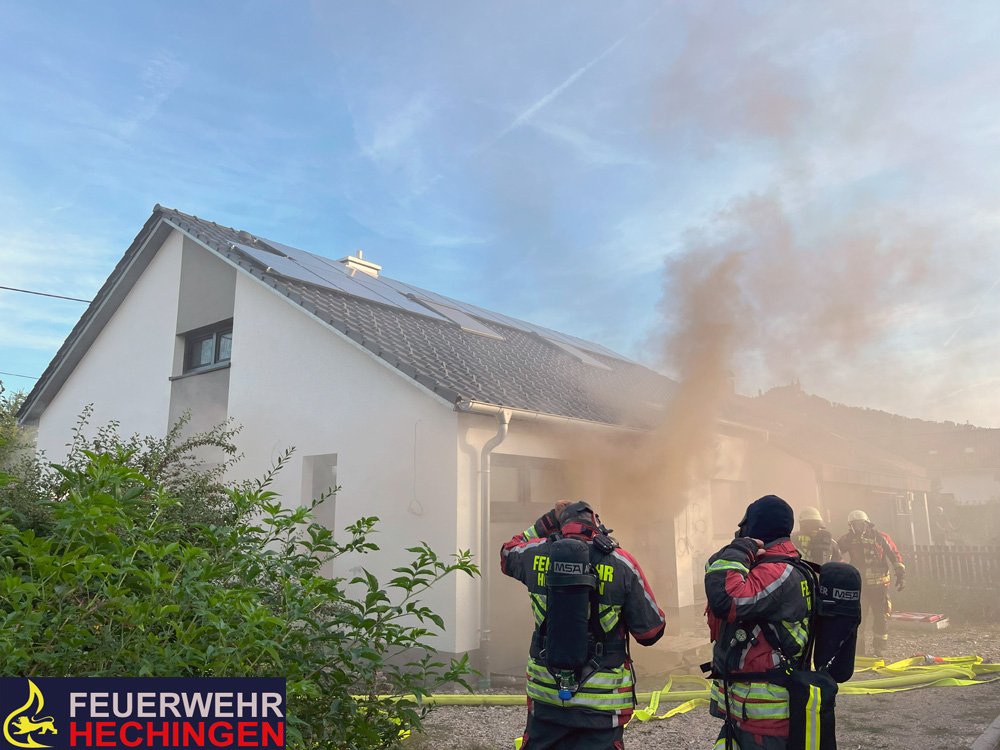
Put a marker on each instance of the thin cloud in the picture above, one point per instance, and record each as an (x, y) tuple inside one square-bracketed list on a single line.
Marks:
[(160, 77), (987, 295), (529, 114)]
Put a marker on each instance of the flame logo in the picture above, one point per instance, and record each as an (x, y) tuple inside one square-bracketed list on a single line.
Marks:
[(26, 721)]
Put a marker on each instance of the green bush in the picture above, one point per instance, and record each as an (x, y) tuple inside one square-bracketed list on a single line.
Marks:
[(117, 585), (11, 434), (191, 468)]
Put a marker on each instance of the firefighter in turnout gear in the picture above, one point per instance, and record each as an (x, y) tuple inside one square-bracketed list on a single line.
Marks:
[(814, 540), (588, 596), (758, 616), (874, 554)]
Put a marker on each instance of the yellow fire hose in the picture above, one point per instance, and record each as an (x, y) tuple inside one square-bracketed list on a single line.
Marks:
[(871, 677)]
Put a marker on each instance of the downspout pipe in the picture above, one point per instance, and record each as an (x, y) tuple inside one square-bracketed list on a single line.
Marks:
[(485, 556)]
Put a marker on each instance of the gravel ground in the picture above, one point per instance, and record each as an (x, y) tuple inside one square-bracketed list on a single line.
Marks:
[(947, 718)]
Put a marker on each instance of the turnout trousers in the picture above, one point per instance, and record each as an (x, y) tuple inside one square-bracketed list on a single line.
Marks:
[(875, 608), (547, 735), (747, 741)]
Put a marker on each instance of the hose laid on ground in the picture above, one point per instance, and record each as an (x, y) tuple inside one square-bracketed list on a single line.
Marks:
[(906, 674), (692, 691)]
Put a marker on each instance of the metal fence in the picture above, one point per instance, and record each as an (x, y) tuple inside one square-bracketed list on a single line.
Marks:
[(960, 566)]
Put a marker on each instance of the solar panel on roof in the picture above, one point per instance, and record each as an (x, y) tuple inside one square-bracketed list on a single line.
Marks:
[(306, 267), (506, 320), (316, 269), (467, 322), (284, 266)]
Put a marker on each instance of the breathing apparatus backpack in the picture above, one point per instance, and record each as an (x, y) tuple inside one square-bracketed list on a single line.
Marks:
[(573, 637), (827, 659)]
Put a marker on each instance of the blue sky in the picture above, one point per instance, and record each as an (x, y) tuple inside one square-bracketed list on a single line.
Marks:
[(579, 164)]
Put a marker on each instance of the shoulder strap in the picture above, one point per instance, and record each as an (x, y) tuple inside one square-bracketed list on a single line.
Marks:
[(810, 573), (596, 629)]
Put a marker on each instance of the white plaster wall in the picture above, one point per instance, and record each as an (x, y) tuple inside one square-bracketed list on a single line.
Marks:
[(207, 288), (510, 610), (296, 383), (125, 373)]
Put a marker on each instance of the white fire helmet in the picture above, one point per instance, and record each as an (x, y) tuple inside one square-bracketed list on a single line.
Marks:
[(857, 515), (810, 513)]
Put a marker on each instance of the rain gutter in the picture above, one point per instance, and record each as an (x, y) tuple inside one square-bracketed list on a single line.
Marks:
[(481, 407)]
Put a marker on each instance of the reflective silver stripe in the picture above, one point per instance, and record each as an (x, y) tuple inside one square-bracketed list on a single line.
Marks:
[(813, 705), (759, 700), (618, 677), (620, 680), (523, 547), (614, 702), (754, 711), (652, 603), (766, 590)]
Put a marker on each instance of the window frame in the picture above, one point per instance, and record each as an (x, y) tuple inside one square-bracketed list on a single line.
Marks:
[(215, 333)]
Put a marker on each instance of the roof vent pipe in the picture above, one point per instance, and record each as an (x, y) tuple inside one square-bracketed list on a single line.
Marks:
[(503, 423), (358, 263)]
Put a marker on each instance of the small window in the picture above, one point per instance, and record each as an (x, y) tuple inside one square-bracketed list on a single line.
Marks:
[(208, 347)]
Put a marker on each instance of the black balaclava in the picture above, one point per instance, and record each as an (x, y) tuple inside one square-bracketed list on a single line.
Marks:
[(767, 519)]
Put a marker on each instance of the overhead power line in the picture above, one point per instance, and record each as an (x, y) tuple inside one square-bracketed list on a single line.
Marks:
[(45, 294), (15, 375)]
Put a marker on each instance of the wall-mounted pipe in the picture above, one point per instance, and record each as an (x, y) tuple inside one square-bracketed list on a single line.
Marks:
[(485, 554)]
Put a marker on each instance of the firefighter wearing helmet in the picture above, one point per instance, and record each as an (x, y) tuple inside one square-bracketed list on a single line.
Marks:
[(588, 596), (814, 540), (874, 554)]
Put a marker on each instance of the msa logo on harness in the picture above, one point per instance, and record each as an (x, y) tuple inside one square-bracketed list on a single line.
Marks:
[(568, 568), (845, 595)]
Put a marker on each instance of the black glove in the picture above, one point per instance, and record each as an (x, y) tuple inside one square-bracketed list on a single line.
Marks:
[(547, 524), (900, 578), (743, 547)]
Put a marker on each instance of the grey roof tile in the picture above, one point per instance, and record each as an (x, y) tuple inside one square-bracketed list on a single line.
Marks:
[(520, 370)]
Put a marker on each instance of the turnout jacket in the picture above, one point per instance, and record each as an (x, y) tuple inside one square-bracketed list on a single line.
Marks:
[(753, 597), (819, 547), (627, 607), (873, 553)]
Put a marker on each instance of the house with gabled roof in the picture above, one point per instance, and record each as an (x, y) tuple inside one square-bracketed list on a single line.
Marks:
[(441, 418), (454, 424)]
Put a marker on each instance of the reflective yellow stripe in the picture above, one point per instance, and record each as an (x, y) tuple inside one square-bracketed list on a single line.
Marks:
[(720, 744), (616, 677), (798, 631), (726, 565), (596, 701), (760, 700), (538, 607), (610, 617), (813, 705), (605, 690)]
